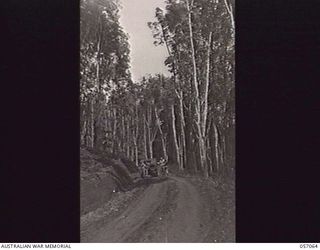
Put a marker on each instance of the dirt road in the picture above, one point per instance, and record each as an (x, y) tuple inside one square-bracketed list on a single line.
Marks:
[(169, 210)]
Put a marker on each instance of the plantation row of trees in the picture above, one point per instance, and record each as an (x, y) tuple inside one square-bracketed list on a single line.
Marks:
[(189, 117)]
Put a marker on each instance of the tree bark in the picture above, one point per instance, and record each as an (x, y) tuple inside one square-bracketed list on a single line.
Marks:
[(183, 154), (216, 146), (164, 148), (114, 132), (123, 133), (175, 136), (98, 89), (92, 123), (84, 124), (84, 132), (205, 104), (151, 136), (136, 134), (145, 137), (201, 139), (209, 158), (88, 129), (128, 138)]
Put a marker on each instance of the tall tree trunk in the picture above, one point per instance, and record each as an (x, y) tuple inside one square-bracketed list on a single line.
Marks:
[(136, 153), (149, 132), (173, 116), (216, 146), (209, 146), (201, 138), (88, 129), (190, 139), (151, 149), (181, 149), (183, 154), (84, 125), (132, 155), (114, 132), (128, 138), (92, 135), (83, 132), (220, 150), (223, 149), (145, 137), (209, 158), (164, 147), (205, 104), (98, 88), (123, 133), (136, 134)]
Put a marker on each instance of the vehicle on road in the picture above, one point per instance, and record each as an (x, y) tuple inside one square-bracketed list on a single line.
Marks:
[(153, 168)]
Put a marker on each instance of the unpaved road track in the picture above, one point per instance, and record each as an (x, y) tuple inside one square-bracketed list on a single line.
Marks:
[(167, 211)]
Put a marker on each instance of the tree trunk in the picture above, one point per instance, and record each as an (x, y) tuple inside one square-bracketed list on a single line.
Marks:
[(84, 132), (136, 153), (223, 149), (151, 135), (114, 132), (201, 138), (230, 12), (164, 148), (150, 142), (128, 138), (98, 87), (175, 136), (151, 149), (205, 104), (210, 171), (216, 146), (203, 156), (136, 135), (83, 125), (145, 137), (123, 133), (181, 150), (88, 129), (92, 123), (183, 154)]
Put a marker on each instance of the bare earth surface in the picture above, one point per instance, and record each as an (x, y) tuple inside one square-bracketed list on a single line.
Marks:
[(164, 210)]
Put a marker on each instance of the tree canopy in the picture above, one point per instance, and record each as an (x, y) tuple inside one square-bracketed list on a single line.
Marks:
[(188, 117)]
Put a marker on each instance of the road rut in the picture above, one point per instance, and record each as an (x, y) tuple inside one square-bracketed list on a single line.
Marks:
[(156, 217)]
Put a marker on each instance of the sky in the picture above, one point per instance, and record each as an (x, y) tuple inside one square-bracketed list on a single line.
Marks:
[(145, 57)]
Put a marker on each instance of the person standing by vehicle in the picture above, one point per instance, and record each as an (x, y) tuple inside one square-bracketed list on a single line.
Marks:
[(143, 169), (163, 166)]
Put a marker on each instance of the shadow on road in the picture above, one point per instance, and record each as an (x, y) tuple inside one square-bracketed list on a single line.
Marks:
[(149, 181)]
